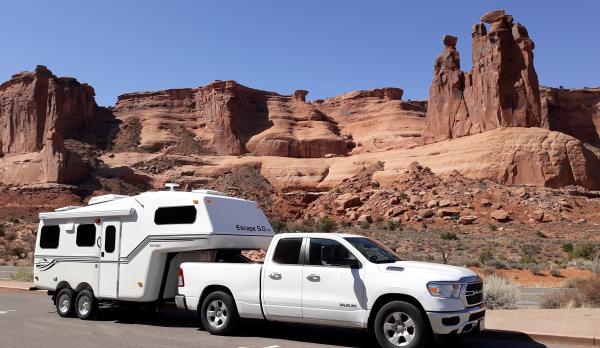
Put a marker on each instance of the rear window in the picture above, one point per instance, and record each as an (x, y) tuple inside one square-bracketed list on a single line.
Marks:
[(49, 237), (287, 251), (86, 235), (175, 215)]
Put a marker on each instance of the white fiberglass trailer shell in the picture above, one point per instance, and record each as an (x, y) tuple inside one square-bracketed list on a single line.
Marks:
[(130, 248)]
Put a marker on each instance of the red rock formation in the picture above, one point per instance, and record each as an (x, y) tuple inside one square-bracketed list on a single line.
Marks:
[(37, 111), (573, 111), (233, 119), (501, 90)]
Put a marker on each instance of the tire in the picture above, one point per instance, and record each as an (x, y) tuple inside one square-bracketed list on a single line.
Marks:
[(65, 303), (401, 324), (219, 314), (86, 305)]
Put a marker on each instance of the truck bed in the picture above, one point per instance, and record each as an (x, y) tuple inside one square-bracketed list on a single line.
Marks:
[(241, 279)]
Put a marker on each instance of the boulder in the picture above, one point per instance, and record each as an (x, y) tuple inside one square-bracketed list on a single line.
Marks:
[(467, 219), (500, 215), (348, 200)]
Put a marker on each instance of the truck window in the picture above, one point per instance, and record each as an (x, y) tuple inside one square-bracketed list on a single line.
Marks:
[(287, 251), (86, 235), (110, 235), (175, 215), (323, 251), (49, 237)]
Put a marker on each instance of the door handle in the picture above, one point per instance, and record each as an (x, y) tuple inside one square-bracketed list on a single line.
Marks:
[(313, 278), (275, 276)]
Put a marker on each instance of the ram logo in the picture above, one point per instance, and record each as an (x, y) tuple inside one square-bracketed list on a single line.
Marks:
[(347, 305)]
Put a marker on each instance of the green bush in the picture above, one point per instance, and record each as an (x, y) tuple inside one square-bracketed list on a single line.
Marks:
[(278, 226), (392, 225), (567, 248), (365, 225), (449, 236), (529, 252), (326, 224), (486, 255), (585, 250)]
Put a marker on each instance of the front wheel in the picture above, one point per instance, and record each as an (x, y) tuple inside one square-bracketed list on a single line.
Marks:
[(86, 305), (400, 324), (218, 313)]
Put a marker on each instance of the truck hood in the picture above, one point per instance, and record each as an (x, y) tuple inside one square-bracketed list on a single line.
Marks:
[(428, 270)]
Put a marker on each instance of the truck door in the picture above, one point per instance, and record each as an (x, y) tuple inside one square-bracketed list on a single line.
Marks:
[(332, 289), (108, 282), (282, 280)]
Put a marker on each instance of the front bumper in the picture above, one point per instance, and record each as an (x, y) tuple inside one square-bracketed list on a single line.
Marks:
[(470, 319)]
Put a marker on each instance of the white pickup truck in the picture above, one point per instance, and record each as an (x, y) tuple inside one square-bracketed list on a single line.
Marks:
[(335, 279)]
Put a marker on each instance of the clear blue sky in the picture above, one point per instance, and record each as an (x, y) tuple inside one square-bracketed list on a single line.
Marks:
[(326, 47)]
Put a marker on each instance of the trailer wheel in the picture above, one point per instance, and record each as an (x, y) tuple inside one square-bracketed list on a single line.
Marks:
[(65, 303), (400, 324), (218, 313), (86, 305)]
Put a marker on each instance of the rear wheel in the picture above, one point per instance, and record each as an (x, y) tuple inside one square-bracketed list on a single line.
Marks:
[(86, 305), (65, 303), (218, 313), (401, 324)]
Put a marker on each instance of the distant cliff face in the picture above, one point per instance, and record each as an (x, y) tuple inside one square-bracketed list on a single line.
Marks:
[(501, 90), (37, 112)]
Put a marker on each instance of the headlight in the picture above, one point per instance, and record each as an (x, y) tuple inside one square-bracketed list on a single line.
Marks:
[(444, 290)]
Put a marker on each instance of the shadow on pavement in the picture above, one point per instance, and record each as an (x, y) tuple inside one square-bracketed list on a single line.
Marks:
[(171, 317)]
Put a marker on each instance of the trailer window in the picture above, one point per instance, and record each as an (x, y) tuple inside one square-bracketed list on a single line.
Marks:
[(287, 251), (175, 215), (110, 236), (49, 237), (86, 235)]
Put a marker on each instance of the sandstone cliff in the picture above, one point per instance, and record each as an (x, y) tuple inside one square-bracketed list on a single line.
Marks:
[(501, 90), (573, 111), (37, 112)]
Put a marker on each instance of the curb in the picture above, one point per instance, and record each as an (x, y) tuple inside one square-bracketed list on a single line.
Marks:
[(583, 340), (20, 288), (580, 340)]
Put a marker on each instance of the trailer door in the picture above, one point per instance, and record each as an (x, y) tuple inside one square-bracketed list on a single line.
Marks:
[(108, 282)]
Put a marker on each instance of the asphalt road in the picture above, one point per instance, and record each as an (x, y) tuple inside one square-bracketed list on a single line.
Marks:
[(6, 271), (28, 319)]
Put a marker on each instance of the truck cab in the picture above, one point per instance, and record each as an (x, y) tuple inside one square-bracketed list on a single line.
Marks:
[(341, 280)]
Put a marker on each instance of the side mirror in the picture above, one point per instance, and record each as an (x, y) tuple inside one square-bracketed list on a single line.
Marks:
[(346, 262)]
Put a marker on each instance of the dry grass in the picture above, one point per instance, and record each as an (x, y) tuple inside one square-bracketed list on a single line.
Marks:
[(500, 293), (582, 293)]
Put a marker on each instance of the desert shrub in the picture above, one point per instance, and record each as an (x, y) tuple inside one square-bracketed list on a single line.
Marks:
[(573, 282), (393, 225), (23, 275), (585, 250), (486, 255), (497, 264), (306, 225), (540, 234), (529, 252), (515, 265), (2, 232), (500, 293), (555, 272), (365, 225), (15, 220), (449, 236), (326, 224), (535, 269), (586, 293), (595, 266), (278, 225), (472, 263), (567, 248), (493, 227)]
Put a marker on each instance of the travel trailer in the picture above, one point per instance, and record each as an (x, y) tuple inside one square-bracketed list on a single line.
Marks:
[(129, 248)]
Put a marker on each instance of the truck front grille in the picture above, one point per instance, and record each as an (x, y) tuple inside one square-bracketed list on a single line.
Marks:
[(474, 293)]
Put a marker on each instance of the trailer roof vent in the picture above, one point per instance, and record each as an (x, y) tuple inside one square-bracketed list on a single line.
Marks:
[(105, 198), (171, 186), (210, 192)]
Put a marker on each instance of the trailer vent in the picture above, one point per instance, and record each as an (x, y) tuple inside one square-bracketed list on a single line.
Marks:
[(105, 198)]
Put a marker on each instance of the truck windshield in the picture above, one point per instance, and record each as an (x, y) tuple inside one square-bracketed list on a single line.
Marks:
[(373, 250)]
